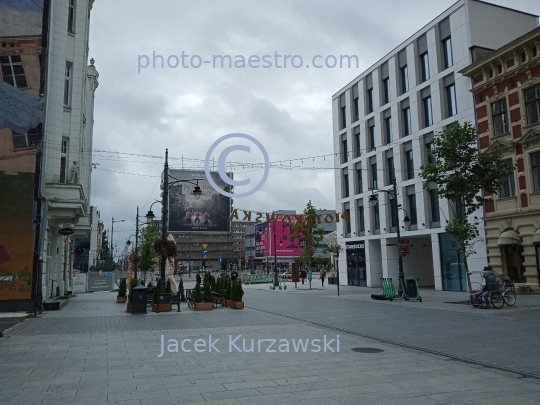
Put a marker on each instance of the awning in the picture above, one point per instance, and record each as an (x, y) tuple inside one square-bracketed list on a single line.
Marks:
[(19, 110), (536, 237), (509, 237)]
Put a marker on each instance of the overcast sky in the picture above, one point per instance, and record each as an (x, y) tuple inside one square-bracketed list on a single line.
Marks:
[(186, 109)]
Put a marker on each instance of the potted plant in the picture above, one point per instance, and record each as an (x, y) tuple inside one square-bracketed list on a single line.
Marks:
[(165, 304), (228, 292), (524, 289), (181, 289), (122, 291), (238, 294), (198, 299), (132, 285)]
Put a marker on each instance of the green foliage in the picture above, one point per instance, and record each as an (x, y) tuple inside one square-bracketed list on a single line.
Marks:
[(148, 257), (181, 284), (238, 291), (207, 294), (197, 293), (306, 230), (459, 171), (218, 284), (132, 285), (155, 297), (228, 287), (213, 284), (168, 289), (122, 288)]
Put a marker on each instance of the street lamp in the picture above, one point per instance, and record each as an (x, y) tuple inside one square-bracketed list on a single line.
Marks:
[(165, 208), (395, 209), (276, 280), (112, 235)]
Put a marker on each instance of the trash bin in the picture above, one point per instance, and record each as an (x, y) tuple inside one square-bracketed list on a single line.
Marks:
[(412, 287), (139, 300)]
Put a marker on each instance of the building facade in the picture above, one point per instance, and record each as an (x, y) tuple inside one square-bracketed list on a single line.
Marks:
[(68, 135), (506, 88), (383, 124)]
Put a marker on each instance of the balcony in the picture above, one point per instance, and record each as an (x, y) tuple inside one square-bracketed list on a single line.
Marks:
[(67, 204)]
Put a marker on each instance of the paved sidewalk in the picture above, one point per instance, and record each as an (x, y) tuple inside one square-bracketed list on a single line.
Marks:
[(93, 352)]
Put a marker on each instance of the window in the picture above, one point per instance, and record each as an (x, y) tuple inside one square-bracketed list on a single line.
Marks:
[(370, 100), (532, 104), (424, 67), (67, 85), (411, 199), (71, 15), (361, 223), (393, 217), (357, 141), (508, 187), (500, 117), (434, 206), (388, 130), (344, 152), (345, 183), (428, 112), (376, 217), (63, 160), (447, 52), (409, 164), (356, 111), (451, 100), (372, 141), (535, 164), (13, 71), (430, 147), (25, 140), (359, 183), (386, 90), (342, 111), (374, 176), (406, 117), (390, 169), (404, 79)]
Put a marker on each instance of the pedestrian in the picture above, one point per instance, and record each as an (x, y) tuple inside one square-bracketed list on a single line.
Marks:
[(322, 275), (303, 275), (310, 277), (198, 277)]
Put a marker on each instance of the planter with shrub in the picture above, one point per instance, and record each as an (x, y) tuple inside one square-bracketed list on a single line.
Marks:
[(199, 304), (237, 295), (122, 291), (132, 285)]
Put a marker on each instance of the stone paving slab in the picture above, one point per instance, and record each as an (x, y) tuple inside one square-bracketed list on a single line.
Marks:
[(41, 365)]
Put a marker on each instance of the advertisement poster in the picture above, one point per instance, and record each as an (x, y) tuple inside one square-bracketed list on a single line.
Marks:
[(20, 82), (264, 240), (209, 213)]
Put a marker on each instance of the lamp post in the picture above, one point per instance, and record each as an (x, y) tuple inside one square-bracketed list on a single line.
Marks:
[(395, 209), (112, 235), (165, 208), (276, 280)]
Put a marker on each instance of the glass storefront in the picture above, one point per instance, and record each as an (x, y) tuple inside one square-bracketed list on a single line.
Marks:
[(356, 264), (454, 274)]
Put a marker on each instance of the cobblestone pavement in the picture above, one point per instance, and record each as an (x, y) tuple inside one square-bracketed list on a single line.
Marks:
[(93, 352)]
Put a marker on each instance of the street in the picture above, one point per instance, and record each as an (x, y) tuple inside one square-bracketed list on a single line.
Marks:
[(92, 351)]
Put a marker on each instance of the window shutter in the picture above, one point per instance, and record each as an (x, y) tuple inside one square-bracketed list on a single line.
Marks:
[(342, 100), (422, 44), (444, 28), (355, 91), (387, 113), (405, 104), (407, 146), (384, 70), (410, 190), (369, 81), (448, 80), (371, 122), (389, 153), (425, 92), (402, 58)]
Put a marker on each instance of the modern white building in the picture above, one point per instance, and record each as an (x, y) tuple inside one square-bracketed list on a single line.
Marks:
[(383, 123), (68, 132)]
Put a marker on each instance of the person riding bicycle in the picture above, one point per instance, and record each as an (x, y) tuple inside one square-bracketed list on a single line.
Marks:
[(485, 291)]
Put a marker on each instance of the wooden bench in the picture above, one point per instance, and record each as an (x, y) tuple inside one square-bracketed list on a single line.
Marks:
[(175, 299), (219, 298)]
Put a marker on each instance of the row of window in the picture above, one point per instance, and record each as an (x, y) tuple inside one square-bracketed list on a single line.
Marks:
[(508, 184), (426, 112), (393, 221), (402, 77), (499, 111)]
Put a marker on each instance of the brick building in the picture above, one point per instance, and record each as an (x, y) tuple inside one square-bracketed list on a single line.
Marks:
[(506, 88)]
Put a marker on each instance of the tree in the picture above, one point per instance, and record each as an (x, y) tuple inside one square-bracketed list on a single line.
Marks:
[(458, 171), (147, 256), (307, 231)]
